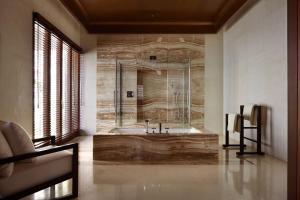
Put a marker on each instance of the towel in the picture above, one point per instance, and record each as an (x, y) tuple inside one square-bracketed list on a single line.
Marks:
[(250, 113), (233, 123)]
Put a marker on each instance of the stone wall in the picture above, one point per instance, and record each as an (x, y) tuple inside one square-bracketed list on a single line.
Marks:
[(164, 82)]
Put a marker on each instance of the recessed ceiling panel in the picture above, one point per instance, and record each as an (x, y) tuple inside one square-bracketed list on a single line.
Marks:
[(153, 16)]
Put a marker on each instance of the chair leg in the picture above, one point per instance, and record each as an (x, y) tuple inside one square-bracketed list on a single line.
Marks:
[(258, 139), (75, 173), (258, 147), (258, 142), (259, 131), (227, 136), (226, 132), (241, 152), (226, 139), (75, 187)]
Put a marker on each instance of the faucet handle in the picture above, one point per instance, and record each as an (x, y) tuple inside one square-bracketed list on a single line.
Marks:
[(167, 129), (153, 129)]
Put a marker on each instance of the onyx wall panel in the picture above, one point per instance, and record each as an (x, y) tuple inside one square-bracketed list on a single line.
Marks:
[(162, 84)]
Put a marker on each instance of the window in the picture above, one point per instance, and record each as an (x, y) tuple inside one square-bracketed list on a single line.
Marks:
[(55, 82)]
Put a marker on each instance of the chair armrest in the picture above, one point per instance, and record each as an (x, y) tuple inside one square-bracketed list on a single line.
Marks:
[(42, 152), (50, 138)]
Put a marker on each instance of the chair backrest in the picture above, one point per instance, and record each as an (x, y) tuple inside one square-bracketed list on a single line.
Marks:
[(250, 113), (17, 138)]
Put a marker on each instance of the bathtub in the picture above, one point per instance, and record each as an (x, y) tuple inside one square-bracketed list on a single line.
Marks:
[(179, 146), (142, 131)]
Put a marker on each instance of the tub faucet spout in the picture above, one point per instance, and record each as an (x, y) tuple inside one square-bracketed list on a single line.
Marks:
[(147, 125)]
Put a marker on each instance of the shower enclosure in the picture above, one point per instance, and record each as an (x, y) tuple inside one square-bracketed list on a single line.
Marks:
[(154, 89)]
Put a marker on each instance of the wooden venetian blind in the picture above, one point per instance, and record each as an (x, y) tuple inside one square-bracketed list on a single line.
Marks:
[(56, 82), (75, 87), (55, 85), (41, 80), (66, 91)]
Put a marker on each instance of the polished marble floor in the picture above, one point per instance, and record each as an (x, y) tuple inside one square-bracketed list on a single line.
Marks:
[(249, 178)]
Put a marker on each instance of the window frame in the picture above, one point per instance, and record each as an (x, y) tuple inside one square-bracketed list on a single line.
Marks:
[(51, 30)]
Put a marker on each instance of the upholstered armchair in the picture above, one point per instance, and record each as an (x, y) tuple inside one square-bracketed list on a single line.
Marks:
[(25, 169)]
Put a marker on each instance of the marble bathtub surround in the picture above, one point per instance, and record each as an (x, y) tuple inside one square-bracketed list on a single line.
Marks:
[(156, 149), (162, 84)]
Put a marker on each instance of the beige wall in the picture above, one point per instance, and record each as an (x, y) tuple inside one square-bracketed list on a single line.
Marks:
[(213, 105), (16, 53), (88, 106), (255, 68)]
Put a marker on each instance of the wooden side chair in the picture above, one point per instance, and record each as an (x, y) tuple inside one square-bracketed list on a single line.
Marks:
[(257, 127)]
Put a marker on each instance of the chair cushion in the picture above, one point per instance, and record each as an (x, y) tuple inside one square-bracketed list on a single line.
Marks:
[(27, 175), (18, 139), (5, 151)]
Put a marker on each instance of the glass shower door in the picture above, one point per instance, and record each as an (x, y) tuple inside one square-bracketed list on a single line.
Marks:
[(187, 95), (126, 92), (178, 79), (118, 95), (158, 92)]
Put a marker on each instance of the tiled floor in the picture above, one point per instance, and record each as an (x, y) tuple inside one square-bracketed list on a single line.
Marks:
[(255, 178)]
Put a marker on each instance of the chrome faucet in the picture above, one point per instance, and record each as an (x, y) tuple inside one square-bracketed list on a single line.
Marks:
[(147, 125)]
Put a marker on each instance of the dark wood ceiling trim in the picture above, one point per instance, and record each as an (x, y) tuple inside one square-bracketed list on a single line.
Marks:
[(152, 27), (151, 23), (226, 11), (230, 7), (78, 11), (148, 28), (82, 9)]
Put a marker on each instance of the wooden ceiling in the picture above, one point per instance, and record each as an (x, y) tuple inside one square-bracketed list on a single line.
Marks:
[(153, 16)]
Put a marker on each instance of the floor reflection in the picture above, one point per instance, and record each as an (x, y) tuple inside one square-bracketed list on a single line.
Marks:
[(253, 177)]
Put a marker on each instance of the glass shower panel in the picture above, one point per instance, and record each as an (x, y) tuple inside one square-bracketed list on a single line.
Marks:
[(158, 92), (152, 93), (126, 93), (178, 95), (187, 94), (118, 95)]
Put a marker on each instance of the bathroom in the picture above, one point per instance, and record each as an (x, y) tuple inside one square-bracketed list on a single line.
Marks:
[(156, 83)]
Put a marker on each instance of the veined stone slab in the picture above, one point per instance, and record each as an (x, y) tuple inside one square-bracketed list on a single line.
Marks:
[(157, 149)]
